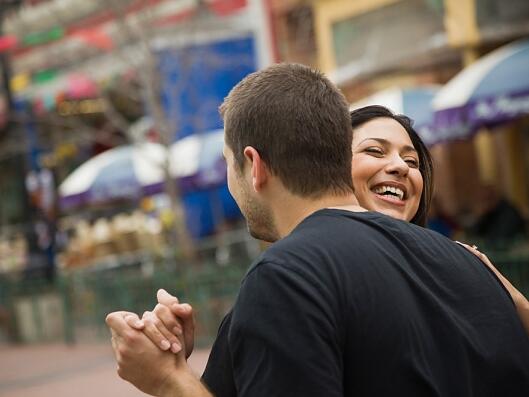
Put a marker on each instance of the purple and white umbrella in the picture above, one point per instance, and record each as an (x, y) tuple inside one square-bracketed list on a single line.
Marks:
[(133, 171), (413, 102), (491, 91)]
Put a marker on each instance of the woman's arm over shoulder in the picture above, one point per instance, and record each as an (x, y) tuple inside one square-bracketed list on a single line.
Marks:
[(520, 301)]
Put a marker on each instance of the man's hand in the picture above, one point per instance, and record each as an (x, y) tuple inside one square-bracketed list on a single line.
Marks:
[(140, 362), (151, 326), (183, 311), (169, 320)]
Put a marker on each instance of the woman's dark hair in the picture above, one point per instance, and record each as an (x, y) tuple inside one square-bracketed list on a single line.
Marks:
[(363, 115)]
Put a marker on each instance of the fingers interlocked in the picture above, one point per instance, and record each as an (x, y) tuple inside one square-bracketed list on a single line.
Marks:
[(156, 324)]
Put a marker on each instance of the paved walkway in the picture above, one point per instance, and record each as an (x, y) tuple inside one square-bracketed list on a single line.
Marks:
[(58, 370)]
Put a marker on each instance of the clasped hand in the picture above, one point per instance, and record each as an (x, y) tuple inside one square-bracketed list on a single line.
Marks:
[(150, 350)]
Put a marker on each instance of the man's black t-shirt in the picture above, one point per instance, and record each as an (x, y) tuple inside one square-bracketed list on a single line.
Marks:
[(359, 304)]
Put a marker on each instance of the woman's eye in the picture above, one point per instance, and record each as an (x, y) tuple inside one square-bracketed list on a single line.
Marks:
[(374, 150), (412, 163)]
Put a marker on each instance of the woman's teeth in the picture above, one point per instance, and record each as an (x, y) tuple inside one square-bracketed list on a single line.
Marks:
[(395, 191)]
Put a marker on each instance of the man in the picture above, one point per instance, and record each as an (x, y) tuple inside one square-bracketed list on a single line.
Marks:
[(346, 302)]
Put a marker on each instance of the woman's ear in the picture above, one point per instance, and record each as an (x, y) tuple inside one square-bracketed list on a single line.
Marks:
[(258, 168)]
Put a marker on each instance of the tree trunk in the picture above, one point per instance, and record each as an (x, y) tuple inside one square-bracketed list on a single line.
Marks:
[(180, 236)]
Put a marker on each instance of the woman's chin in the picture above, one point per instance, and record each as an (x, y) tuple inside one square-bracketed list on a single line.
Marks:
[(394, 213), (391, 207)]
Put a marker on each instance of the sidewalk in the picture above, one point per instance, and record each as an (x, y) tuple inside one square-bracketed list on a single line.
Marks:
[(59, 370)]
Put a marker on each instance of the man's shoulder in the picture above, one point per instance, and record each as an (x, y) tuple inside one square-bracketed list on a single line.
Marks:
[(308, 247), (336, 226), (345, 243)]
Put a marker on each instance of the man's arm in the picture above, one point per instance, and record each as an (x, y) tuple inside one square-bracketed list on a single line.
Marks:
[(285, 339), (142, 363)]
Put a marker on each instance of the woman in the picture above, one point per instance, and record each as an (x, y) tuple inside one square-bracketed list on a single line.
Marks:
[(393, 174)]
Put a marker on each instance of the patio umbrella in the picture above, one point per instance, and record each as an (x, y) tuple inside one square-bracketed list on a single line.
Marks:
[(412, 102), (491, 91), (133, 171)]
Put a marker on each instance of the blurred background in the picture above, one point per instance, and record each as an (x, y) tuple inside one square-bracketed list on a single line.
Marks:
[(112, 182)]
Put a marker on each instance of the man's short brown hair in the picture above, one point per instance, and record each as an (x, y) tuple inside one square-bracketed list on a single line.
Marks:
[(299, 123)]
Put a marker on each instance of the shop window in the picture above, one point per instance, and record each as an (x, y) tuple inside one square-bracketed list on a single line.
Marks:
[(300, 25), (501, 13), (388, 34)]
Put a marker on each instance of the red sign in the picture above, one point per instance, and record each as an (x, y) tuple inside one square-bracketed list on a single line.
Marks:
[(8, 42), (226, 7)]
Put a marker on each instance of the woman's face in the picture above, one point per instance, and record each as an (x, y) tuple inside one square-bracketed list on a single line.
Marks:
[(385, 169)]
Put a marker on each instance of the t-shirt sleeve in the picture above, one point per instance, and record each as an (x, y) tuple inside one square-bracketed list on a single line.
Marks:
[(284, 338)]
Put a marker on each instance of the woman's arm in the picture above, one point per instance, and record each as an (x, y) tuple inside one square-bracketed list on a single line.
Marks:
[(520, 301)]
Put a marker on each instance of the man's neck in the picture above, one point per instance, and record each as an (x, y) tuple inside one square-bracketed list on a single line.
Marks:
[(290, 211)]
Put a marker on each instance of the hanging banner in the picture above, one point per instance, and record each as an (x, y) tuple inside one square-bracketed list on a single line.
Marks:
[(96, 38), (8, 42), (44, 76), (38, 38), (19, 82), (226, 7), (80, 86)]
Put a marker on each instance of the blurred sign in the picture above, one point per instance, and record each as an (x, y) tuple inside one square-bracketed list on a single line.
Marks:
[(40, 186), (20, 81), (199, 71), (224, 7), (197, 78), (83, 106)]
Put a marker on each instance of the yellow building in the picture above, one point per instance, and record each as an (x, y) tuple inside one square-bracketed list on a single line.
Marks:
[(369, 45)]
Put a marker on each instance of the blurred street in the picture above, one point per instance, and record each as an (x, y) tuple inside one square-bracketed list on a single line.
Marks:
[(113, 180), (60, 370)]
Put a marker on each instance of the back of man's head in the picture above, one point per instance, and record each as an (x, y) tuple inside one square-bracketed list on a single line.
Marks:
[(299, 123)]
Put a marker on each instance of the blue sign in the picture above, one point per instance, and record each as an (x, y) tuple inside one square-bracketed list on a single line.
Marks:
[(195, 80), (206, 209)]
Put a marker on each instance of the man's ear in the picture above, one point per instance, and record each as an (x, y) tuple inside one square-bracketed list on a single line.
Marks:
[(258, 168)]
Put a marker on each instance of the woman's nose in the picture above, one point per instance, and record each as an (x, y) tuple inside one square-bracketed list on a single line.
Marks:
[(397, 166)]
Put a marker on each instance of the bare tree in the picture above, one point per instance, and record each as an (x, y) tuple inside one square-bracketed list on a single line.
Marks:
[(148, 73)]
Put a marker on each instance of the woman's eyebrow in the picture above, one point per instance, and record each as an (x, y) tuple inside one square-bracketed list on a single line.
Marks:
[(383, 141), (379, 140)]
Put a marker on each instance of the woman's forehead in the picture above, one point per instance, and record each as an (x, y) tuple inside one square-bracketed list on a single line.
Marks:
[(382, 128)]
